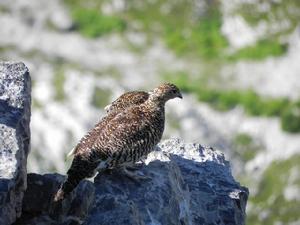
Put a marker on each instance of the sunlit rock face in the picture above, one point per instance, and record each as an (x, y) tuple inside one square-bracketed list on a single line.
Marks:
[(15, 100)]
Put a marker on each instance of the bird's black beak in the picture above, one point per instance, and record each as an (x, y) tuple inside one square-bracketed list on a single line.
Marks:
[(179, 96)]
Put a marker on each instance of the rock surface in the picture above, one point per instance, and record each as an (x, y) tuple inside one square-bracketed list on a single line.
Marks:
[(187, 184), (39, 209), (15, 100)]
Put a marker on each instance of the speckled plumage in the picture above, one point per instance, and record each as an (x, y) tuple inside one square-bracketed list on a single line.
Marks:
[(123, 102), (121, 138), (126, 100)]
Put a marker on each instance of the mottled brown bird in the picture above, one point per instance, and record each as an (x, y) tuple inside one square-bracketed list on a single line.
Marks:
[(121, 138), (126, 100)]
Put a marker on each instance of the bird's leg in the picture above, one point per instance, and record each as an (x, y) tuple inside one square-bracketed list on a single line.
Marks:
[(102, 166), (134, 175), (138, 165), (135, 166)]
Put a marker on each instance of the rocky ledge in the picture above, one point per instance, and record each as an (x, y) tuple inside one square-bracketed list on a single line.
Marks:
[(187, 183), (15, 88)]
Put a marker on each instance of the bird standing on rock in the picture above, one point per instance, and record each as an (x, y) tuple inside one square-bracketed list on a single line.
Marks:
[(131, 129)]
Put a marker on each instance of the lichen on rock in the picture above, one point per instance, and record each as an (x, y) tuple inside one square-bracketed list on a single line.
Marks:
[(15, 100)]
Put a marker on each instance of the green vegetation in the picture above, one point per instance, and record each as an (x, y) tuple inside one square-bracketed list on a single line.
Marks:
[(185, 32), (203, 38), (228, 99), (3, 9), (197, 36), (253, 104), (36, 104), (58, 82), (260, 50), (6, 48), (276, 12), (270, 198), (244, 147), (101, 97), (269, 12), (290, 119), (90, 21)]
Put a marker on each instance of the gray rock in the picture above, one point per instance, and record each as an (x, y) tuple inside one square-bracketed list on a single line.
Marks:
[(15, 100), (39, 209), (189, 184)]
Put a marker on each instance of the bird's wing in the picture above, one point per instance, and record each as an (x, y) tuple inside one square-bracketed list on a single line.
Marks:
[(120, 105), (124, 131), (87, 141)]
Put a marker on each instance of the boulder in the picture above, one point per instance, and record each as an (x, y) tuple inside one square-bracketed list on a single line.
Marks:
[(185, 184), (15, 100), (188, 184)]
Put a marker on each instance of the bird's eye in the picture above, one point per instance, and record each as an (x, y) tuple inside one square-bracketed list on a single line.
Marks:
[(174, 91)]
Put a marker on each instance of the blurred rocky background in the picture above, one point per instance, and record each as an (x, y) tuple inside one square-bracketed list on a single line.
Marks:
[(236, 61)]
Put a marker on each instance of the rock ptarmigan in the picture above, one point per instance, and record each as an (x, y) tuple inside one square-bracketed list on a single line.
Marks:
[(120, 139)]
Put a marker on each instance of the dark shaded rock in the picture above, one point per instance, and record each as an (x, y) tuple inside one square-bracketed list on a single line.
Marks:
[(38, 207), (15, 100)]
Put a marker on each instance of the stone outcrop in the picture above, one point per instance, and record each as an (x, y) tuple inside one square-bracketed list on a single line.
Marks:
[(15, 100), (186, 183)]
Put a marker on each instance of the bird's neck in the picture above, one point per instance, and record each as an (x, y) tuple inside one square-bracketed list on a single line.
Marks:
[(155, 104)]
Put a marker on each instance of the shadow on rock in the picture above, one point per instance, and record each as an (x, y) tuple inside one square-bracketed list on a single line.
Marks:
[(38, 207)]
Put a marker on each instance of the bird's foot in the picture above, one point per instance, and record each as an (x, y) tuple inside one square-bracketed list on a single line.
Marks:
[(136, 176), (135, 166)]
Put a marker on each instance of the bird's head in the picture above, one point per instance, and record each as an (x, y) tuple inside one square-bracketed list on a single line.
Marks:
[(165, 92)]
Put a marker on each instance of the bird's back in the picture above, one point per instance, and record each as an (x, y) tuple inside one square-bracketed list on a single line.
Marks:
[(123, 102), (130, 135), (128, 99)]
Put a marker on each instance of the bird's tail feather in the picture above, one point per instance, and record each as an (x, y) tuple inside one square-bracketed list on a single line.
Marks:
[(70, 153), (73, 179), (78, 171)]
